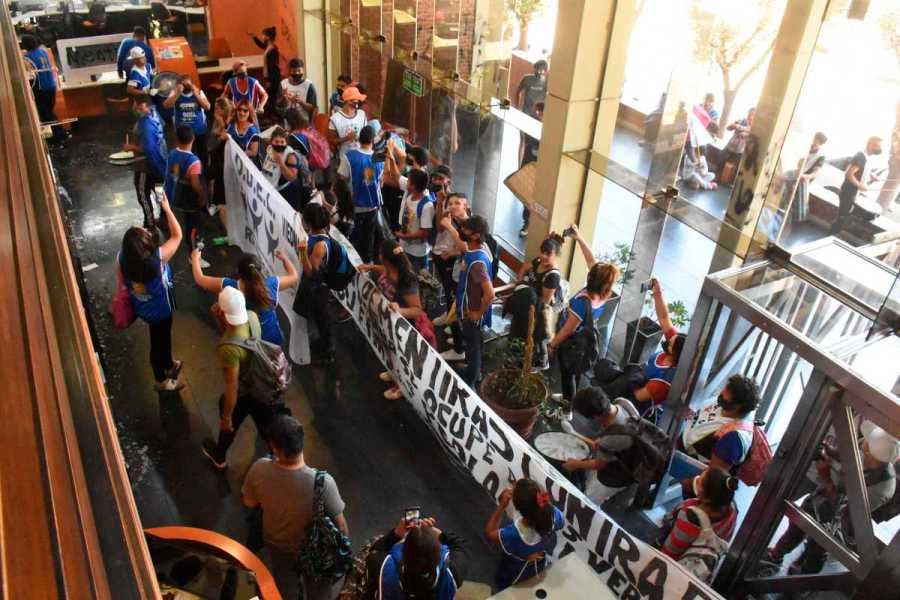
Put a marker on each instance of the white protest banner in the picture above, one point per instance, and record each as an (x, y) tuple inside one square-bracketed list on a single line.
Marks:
[(496, 456), (260, 222)]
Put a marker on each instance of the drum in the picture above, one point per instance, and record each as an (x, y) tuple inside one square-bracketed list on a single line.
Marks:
[(558, 447)]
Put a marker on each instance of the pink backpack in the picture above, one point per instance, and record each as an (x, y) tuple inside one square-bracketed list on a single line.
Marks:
[(753, 469), (319, 150)]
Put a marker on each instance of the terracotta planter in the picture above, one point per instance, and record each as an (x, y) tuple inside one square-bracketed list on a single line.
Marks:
[(520, 419)]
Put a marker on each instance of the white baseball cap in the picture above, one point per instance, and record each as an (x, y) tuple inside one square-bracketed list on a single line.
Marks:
[(137, 52), (233, 305), (882, 446)]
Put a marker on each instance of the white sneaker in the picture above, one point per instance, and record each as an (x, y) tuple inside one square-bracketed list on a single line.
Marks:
[(440, 321), (452, 355), (448, 330), (169, 385)]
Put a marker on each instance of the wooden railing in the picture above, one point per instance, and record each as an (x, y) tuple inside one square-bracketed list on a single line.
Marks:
[(68, 523)]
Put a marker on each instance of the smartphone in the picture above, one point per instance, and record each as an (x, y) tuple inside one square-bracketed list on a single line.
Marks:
[(411, 515), (159, 191), (568, 232), (646, 286)]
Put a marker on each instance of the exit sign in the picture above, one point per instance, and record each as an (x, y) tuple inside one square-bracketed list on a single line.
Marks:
[(413, 83)]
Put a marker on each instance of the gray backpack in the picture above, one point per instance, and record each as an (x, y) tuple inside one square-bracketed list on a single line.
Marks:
[(268, 374), (704, 553)]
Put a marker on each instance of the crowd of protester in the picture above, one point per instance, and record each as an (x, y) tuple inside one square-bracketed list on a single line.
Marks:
[(399, 211)]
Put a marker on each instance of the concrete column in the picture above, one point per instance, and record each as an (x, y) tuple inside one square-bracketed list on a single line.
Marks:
[(580, 113), (794, 46)]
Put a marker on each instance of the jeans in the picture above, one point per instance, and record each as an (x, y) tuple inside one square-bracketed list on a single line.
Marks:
[(161, 348), (473, 343), (288, 581), (143, 185), (418, 262), (363, 238), (526, 217), (444, 269), (246, 406), (847, 201)]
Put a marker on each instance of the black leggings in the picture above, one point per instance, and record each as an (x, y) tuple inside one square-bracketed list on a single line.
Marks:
[(161, 348), (143, 186)]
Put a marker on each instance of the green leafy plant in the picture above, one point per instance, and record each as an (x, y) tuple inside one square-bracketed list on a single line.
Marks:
[(678, 314), (554, 410), (621, 255), (524, 10)]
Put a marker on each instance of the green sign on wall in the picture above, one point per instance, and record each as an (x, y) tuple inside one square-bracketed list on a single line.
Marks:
[(413, 83)]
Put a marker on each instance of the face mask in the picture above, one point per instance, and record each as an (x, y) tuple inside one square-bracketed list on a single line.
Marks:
[(876, 152), (187, 88), (278, 148), (723, 403), (435, 187), (297, 77), (242, 75), (465, 236)]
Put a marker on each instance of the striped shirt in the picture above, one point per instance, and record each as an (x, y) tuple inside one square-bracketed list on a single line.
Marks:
[(685, 528)]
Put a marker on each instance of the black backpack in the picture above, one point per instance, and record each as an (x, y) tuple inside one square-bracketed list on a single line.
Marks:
[(646, 457), (337, 271)]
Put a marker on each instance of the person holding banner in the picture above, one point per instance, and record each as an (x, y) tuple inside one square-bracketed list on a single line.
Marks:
[(281, 166), (243, 130), (524, 541), (261, 292)]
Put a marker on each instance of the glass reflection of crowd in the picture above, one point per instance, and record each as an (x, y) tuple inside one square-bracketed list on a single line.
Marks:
[(436, 263)]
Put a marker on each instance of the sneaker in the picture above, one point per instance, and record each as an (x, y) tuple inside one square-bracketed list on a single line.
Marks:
[(452, 355), (175, 371), (542, 366), (448, 330), (523, 232), (440, 321), (209, 451), (395, 393), (169, 385), (386, 376)]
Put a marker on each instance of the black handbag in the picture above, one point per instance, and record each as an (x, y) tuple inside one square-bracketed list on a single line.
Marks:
[(580, 351)]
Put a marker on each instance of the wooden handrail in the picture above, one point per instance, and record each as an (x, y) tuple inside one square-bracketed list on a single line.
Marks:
[(226, 547), (50, 530)]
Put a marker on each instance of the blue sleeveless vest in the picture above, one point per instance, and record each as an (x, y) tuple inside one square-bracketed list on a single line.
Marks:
[(470, 257), (389, 584)]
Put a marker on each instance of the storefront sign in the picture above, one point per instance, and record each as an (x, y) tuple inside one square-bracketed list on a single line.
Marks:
[(261, 222), (86, 56), (413, 83)]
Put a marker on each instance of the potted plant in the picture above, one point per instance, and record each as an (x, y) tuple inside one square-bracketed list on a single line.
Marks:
[(513, 391)]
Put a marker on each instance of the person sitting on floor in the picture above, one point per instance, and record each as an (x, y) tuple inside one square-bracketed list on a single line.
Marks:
[(605, 474), (712, 439), (713, 508), (524, 542)]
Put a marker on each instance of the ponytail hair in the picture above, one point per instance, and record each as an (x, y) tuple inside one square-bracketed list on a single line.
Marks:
[(553, 244), (254, 283), (719, 487), (138, 256), (419, 571), (534, 504)]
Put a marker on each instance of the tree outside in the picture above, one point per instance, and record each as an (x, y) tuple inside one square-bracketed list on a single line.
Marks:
[(736, 42)]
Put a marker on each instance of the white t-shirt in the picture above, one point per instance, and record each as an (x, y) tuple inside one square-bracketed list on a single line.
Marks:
[(301, 91), (411, 223), (342, 125)]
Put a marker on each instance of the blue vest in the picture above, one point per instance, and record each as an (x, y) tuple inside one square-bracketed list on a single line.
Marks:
[(365, 174), (470, 257), (653, 370), (243, 140), (177, 165), (153, 143), (189, 112), (250, 95), (151, 301), (143, 78), (314, 239), (389, 583), (44, 78)]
